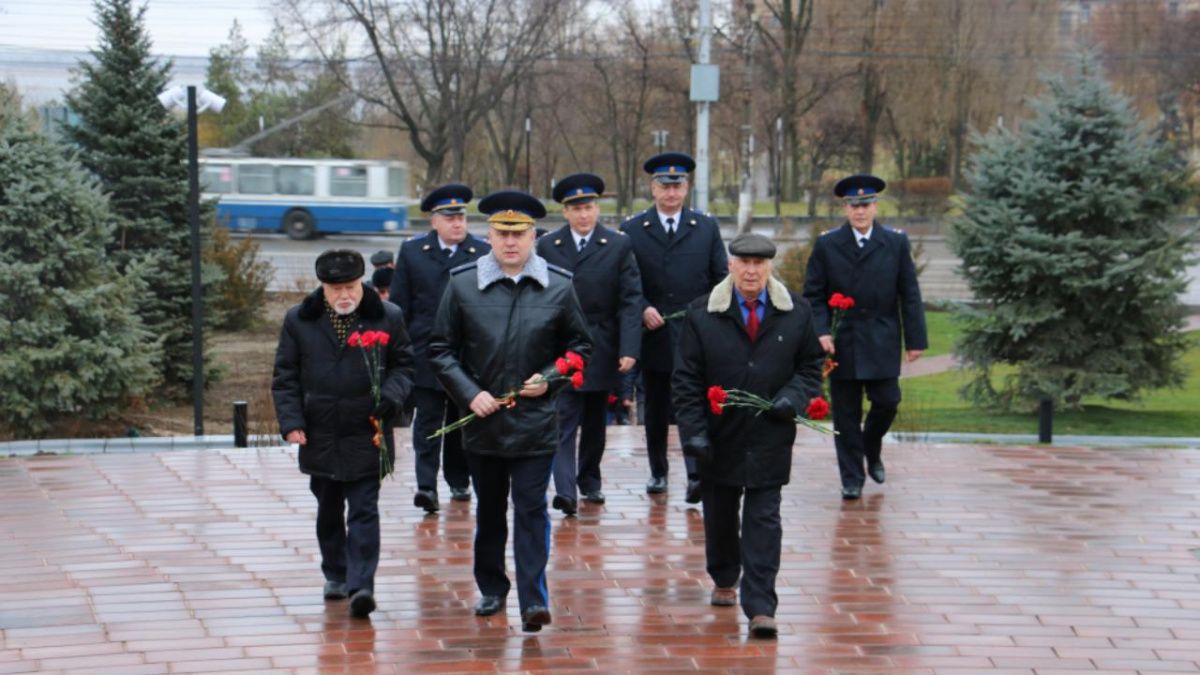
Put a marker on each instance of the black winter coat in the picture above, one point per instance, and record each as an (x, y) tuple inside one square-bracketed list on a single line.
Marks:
[(494, 338), (674, 273), (417, 286), (609, 288), (322, 386), (883, 282), (748, 449)]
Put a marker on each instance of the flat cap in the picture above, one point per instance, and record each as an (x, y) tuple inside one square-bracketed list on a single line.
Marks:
[(379, 258), (339, 266), (750, 245)]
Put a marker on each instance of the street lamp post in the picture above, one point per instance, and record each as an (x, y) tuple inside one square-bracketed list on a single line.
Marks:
[(206, 100), (528, 166)]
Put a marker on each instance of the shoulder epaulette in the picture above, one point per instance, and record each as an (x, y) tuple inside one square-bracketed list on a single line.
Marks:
[(462, 268)]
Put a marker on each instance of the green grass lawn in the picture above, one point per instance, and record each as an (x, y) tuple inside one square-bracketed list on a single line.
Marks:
[(942, 333), (931, 403)]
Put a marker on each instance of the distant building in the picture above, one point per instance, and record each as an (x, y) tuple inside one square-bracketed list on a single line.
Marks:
[(55, 118)]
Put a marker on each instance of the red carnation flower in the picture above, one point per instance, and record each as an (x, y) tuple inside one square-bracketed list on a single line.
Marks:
[(717, 395), (715, 407), (562, 366), (818, 408), (612, 399), (355, 339), (575, 361), (383, 338), (368, 339), (577, 380)]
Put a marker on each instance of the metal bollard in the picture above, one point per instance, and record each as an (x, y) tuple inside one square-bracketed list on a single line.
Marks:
[(1045, 420), (240, 439)]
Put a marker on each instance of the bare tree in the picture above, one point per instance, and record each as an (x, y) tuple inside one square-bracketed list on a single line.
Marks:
[(438, 67)]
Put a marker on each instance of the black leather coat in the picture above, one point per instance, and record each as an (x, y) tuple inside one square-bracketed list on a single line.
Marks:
[(494, 338), (322, 386)]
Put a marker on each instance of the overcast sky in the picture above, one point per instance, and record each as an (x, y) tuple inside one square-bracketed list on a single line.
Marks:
[(41, 39)]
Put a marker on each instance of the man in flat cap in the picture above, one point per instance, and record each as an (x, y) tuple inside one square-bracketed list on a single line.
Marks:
[(750, 333), (324, 403), (609, 289), (873, 265), (422, 270), (382, 259), (502, 323), (681, 257)]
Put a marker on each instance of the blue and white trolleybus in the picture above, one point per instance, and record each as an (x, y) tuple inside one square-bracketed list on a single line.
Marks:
[(307, 197)]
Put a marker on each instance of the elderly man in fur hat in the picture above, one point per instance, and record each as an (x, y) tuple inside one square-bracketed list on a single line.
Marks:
[(325, 403), (750, 333)]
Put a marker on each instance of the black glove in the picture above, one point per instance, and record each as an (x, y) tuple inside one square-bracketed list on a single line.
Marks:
[(382, 409), (783, 410), (698, 447)]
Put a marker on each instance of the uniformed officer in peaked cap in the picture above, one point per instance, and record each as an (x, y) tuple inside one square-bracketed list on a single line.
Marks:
[(502, 323), (681, 257), (609, 289), (422, 269), (873, 265)]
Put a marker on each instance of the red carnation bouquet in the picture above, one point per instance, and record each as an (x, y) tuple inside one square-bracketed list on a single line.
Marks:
[(569, 367), (839, 304), (720, 398), (373, 344)]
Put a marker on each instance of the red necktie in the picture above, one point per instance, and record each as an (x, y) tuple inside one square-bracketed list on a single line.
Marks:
[(752, 319)]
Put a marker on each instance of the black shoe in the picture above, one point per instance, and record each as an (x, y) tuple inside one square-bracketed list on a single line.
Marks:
[(362, 603), (460, 494), (564, 504), (656, 485), (335, 590), (489, 605), (851, 492), (693, 492), (875, 471), (596, 497), (426, 499), (534, 617)]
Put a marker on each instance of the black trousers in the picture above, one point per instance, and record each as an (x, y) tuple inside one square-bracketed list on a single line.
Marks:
[(435, 410), (528, 478), (581, 414), (749, 548), (856, 440), (658, 418), (349, 544)]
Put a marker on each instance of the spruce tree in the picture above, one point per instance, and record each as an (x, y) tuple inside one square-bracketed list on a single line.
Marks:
[(1068, 246), (137, 149), (70, 344)]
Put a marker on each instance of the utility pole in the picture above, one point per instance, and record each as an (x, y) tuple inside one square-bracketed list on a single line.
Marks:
[(745, 215), (706, 87)]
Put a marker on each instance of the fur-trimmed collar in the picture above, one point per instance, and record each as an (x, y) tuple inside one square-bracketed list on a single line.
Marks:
[(489, 271), (313, 306), (722, 296)]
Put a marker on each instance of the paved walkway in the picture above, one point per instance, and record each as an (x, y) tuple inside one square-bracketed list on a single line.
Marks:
[(970, 559)]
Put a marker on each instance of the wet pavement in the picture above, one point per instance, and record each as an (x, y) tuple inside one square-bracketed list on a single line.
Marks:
[(972, 558)]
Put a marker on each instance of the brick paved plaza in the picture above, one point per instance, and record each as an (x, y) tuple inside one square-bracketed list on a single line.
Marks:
[(970, 559)]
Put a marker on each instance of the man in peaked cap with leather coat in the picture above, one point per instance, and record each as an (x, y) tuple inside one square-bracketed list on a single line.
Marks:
[(502, 323)]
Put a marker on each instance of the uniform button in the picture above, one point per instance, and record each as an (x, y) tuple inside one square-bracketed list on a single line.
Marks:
[(751, 364)]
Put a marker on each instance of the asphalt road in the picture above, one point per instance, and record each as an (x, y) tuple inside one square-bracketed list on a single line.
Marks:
[(293, 262)]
